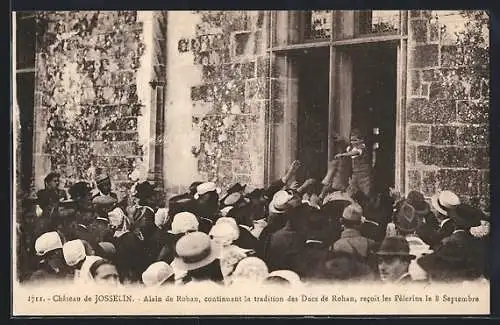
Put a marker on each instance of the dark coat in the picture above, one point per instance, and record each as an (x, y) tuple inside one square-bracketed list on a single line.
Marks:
[(433, 235), (456, 259), (100, 231), (341, 266), (46, 273), (131, 258), (373, 231), (284, 247), (154, 245), (205, 225), (310, 259), (167, 252), (247, 241)]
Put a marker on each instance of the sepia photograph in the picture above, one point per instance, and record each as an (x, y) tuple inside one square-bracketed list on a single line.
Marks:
[(324, 162)]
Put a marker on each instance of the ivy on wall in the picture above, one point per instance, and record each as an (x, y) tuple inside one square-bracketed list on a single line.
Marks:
[(225, 46), (86, 67)]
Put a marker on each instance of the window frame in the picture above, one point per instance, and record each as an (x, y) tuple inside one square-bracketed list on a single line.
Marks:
[(344, 25)]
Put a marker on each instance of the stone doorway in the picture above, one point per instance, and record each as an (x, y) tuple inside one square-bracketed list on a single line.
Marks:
[(374, 105)]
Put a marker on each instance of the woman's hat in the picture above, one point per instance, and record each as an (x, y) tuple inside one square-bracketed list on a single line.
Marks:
[(47, 242), (251, 269), (161, 217), (395, 246), (205, 188), (184, 222), (116, 217), (445, 201), (290, 276), (195, 250), (73, 252), (225, 233), (228, 220), (157, 273), (225, 211)]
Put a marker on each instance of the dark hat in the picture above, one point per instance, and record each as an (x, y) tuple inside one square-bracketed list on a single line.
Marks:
[(104, 202), (236, 188), (467, 216), (406, 218), (45, 197), (353, 212), (101, 178), (256, 193), (343, 266), (395, 246), (79, 190), (417, 201), (231, 199), (144, 190), (193, 186), (181, 203)]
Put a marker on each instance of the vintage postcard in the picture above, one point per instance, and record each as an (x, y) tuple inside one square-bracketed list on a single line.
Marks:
[(328, 162)]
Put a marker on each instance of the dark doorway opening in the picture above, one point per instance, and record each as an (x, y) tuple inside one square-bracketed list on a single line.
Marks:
[(25, 82), (26, 102), (312, 121), (374, 107)]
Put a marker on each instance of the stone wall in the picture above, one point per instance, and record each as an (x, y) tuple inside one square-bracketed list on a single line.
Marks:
[(216, 98), (448, 103), (93, 96)]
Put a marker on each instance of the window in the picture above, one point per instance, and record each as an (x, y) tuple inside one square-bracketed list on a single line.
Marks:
[(378, 22), (319, 24)]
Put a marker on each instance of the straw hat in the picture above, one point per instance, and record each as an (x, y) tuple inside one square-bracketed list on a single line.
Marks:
[(195, 250), (444, 201)]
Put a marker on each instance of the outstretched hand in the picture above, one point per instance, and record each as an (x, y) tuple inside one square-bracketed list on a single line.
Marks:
[(292, 170), (308, 183), (294, 185), (394, 194), (296, 164)]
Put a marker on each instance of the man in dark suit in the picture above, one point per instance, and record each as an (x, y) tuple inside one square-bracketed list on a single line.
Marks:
[(459, 257)]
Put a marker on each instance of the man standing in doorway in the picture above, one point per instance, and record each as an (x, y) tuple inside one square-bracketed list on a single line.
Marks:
[(356, 162)]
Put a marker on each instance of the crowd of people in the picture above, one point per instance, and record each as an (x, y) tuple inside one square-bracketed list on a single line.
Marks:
[(288, 233)]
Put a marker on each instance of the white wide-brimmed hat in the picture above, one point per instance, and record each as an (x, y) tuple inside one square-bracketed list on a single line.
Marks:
[(445, 201)]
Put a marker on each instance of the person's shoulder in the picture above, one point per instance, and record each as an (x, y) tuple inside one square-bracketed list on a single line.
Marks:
[(406, 279), (339, 243), (40, 274)]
